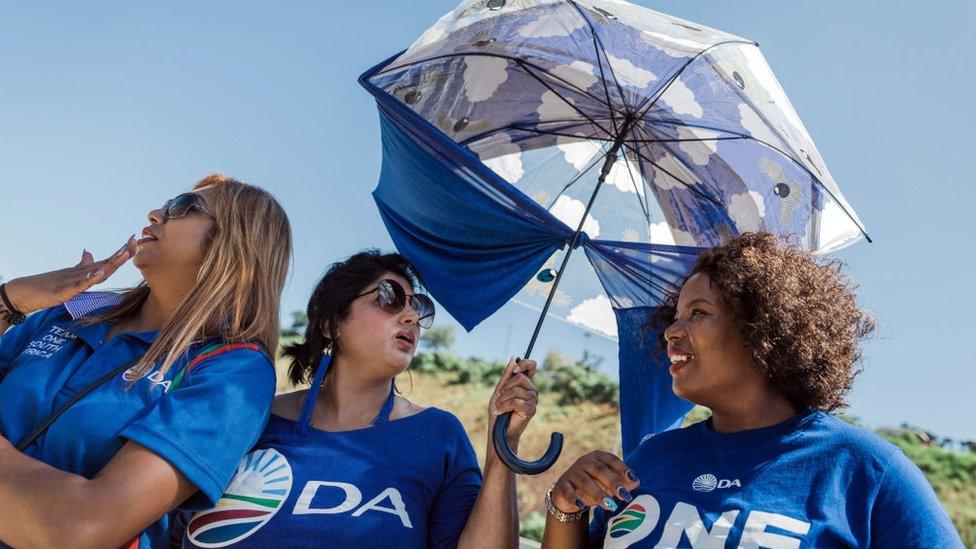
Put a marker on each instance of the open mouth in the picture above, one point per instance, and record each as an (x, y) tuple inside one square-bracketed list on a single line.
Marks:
[(147, 236), (679, 360), (406, 337)]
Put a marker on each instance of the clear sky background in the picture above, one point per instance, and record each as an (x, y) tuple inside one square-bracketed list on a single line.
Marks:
[(107, 109)]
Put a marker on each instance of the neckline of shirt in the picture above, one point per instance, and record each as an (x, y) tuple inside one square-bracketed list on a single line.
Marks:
[(289, 424), (774, 434)]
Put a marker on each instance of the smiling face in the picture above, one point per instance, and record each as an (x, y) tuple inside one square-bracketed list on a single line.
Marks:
[(175, 247), (380, 344), (710, 362)]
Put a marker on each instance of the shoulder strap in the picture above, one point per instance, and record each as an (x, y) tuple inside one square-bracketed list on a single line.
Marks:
[(40, 429), (207, 352)]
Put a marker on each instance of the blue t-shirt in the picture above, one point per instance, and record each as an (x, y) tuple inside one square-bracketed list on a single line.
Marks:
[(202, 428), (811, 481), (410, 482)]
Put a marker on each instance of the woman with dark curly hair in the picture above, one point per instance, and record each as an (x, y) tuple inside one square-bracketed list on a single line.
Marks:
[(767, 339)]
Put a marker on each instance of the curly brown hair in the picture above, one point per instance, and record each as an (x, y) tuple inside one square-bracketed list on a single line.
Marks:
[(798, 316)]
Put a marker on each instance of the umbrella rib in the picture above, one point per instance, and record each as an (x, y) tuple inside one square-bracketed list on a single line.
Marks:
[(596, 158), (561, 134), (519, 126), (515, 60), (685, 140), (684, 165), (633, 181), (597, 46), (652, 100), (689, 186), (679, 122), (785, 155), (647, 186), (568, 102)]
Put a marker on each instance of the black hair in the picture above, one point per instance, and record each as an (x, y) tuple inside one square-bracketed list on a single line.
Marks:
[(330, 303)]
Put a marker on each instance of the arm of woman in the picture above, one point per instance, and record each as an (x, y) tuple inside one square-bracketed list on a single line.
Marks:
[(33, 293), (42, 506), (493, 521)]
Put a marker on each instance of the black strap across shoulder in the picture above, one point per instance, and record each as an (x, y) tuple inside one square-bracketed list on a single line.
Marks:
[(40, 429)]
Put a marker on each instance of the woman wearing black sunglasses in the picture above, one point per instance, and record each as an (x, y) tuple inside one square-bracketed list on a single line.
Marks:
[(349, 463), (115, 407)]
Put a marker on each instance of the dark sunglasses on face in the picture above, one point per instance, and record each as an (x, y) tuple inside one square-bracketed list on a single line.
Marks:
[(393, 298), (183, 204)]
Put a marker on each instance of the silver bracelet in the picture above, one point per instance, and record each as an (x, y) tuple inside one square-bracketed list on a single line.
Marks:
[(559, 515)]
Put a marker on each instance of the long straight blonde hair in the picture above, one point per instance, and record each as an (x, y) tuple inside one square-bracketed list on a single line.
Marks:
[(238, 289)]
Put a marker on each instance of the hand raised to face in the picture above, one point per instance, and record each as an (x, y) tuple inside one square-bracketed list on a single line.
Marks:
[(32, 293)]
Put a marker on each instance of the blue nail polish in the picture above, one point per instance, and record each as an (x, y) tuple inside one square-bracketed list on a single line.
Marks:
[(579, 504), (624, 494), (632, 476), (610, 504)]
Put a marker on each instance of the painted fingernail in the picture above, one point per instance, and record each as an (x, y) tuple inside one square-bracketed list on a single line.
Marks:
[(632, 476), (579, 504), (610, 504), (624, 494)]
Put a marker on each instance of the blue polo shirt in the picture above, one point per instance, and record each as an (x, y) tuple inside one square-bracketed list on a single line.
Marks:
[(811, 481), (203, 428)]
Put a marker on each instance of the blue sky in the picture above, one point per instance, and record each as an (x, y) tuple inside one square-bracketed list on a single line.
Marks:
[(108, 109)]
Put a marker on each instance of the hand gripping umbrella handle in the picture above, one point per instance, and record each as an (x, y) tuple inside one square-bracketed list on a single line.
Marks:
[(517, 464)]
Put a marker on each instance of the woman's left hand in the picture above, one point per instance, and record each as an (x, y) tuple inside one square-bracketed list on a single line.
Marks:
[(515, 393)]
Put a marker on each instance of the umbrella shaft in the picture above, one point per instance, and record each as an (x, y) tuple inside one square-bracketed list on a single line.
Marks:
[(604, 172), (611, 157)]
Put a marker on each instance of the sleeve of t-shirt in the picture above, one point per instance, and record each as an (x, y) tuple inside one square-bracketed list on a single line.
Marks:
[(456, 497), (15, 339), (204, 427), (907, 513)]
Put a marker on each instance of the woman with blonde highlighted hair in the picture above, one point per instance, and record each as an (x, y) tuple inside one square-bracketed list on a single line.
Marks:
[(115, 407)]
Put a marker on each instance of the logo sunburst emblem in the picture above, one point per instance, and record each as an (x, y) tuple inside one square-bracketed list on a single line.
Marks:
[(257, 491), (705, 483)]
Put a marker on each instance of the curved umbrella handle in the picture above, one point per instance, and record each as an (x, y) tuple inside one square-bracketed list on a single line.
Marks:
[(517, 464)]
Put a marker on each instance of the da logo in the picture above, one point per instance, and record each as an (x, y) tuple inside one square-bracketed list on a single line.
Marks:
[(257, 491), (709, 482), (634, 523)]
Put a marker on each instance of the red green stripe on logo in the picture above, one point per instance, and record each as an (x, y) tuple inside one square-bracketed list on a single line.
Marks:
[(210, 518)]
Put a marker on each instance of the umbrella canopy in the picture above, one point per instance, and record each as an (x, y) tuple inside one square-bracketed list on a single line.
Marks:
[(516, 131)]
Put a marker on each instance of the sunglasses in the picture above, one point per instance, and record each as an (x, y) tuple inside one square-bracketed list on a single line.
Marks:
[(178, 207), (393, 298)]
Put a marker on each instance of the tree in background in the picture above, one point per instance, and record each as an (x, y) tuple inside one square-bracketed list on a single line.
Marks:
[(576, 381), (299, 321), (437, 338)]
